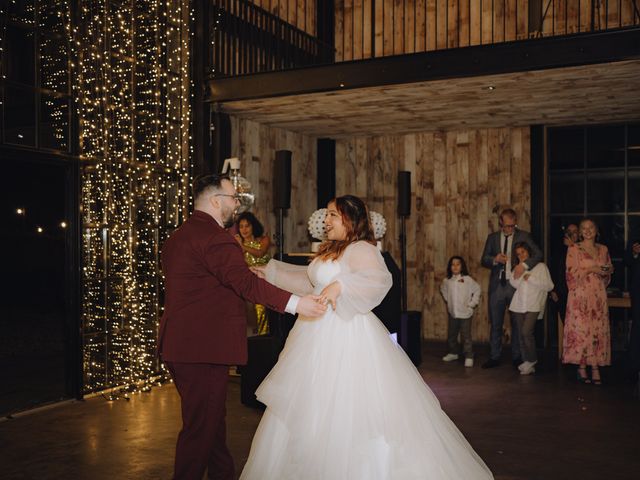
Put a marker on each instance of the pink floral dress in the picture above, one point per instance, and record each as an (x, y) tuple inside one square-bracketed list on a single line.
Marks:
[(587, 337)]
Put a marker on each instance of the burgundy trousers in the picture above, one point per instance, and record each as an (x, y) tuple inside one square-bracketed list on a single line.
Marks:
[(202, 441)]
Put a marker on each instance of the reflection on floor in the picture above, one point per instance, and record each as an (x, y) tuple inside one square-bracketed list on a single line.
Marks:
[(545, 426)]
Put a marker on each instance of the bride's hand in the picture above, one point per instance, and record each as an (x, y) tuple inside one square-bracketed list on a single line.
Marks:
[(259, 271), (330, 293)]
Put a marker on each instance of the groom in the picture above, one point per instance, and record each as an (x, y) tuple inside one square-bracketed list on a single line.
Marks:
[(203, 328)]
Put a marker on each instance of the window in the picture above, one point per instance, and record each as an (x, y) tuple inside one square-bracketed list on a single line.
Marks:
[(595, 171)]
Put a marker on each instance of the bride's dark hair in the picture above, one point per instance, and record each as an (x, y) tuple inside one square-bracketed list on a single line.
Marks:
[(355, 217)]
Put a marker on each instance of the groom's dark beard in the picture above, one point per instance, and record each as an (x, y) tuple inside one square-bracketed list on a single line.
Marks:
[(230, 220)]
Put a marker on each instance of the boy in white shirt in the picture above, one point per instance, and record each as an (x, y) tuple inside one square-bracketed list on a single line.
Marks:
[(462, 295)]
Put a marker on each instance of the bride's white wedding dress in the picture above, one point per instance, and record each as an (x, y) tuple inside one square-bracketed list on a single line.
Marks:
[(344, 402)]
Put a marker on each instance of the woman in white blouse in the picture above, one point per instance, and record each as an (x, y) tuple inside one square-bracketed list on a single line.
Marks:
[(527, 303)]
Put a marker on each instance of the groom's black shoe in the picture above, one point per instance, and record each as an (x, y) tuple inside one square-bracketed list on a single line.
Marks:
[(517, 361), (491, 363)]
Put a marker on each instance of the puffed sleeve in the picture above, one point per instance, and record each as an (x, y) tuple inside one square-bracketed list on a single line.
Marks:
[(292, 278), (364, 278)]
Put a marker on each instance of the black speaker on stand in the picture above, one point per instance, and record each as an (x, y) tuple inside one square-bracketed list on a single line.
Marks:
[(410, 331), (281, 194)]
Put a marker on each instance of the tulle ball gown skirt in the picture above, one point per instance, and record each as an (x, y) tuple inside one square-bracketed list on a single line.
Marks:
[(344, 402)]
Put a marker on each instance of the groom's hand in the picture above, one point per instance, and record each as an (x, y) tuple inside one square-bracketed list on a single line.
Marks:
[(311, 306)]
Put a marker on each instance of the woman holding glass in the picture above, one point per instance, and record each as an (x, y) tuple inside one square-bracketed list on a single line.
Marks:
[(587, 337)]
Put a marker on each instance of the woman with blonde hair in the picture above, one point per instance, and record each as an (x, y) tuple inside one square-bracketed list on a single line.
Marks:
[(587, 337)]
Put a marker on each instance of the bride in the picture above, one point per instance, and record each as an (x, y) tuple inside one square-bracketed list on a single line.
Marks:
[(344, 402)]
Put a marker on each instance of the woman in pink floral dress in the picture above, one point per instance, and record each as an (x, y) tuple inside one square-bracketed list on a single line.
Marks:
[(586, 333)]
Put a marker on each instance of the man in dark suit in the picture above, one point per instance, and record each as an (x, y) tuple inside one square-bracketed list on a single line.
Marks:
[(632, 259), (203, 329), (499, 256)]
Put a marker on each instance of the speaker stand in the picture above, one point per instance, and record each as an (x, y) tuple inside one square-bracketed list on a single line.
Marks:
[(403, 260), (275, 324), (279, 236)]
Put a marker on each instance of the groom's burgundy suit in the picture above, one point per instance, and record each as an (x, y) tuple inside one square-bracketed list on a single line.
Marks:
[(203, 331)]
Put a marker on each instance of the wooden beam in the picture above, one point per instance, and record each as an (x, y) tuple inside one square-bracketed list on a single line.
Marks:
[(510, 57)]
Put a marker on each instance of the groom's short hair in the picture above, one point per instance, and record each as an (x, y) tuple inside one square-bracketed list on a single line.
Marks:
[(206, 182)]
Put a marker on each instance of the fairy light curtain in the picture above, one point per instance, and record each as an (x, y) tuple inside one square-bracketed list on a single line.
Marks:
[(132, 94)]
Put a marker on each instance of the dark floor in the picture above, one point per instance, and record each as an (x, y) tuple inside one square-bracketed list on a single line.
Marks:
[(545, 426)]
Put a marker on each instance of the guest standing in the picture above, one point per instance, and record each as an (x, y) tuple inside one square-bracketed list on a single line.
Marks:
[(499, 256), (255, 246), (558, 271), (587, 337), (462, 295), (527, 303)]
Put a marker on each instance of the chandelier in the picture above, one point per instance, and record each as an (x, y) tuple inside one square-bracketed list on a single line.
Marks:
[(241, 184)]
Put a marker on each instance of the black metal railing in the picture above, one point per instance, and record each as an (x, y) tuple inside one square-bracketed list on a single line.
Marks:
[(244, 39)]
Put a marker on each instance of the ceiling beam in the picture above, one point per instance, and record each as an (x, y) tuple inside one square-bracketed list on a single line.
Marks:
[(508, 57)]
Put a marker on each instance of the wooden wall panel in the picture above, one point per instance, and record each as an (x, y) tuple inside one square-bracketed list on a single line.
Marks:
[(255, 145), (407, 26), (347, 25), (460, 180), (299, 13)]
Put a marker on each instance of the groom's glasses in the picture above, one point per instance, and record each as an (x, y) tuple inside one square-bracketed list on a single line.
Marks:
[(235, 196)]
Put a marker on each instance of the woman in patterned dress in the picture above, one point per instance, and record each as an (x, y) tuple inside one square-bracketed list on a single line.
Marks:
[(587, 338), (255, 246)]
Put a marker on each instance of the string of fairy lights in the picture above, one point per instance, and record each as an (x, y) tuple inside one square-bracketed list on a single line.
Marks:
[(132, 93)]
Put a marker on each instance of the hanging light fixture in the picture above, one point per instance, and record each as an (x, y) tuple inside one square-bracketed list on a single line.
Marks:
[(241, 184)]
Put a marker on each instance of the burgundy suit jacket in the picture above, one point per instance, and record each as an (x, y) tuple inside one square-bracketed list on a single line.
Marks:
[(206, 284)]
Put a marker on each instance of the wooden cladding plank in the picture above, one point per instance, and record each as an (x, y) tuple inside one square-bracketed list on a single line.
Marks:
[(339, 30), (432, 25), (409, 31), (475, 22), (358, 24), (464, 23), (398, 27), (379, 28), (452, 17), (522, 19), (387, 27), (421, 25), (347, 27), (441, 24), (627, 13), (510, 20), (486, 25), (367, 29)]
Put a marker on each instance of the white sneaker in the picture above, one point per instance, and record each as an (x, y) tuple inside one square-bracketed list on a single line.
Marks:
[(527, 368), (468, 362), (450, 357)]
